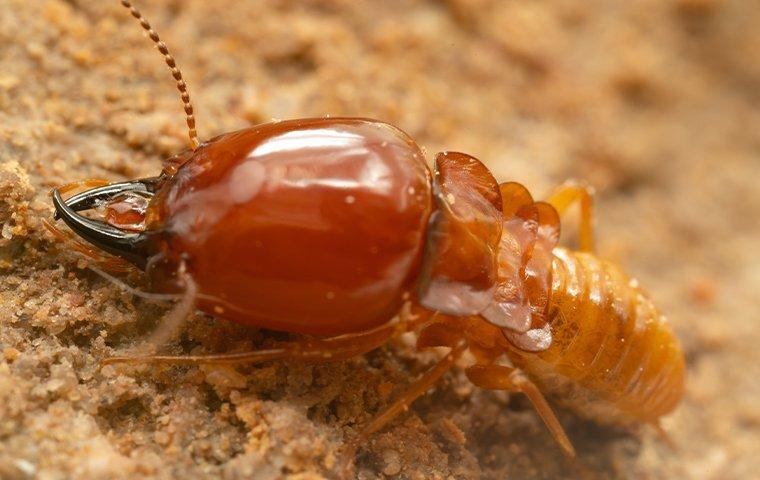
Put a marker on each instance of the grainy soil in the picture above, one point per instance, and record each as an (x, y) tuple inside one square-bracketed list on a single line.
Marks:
[(655, 102)]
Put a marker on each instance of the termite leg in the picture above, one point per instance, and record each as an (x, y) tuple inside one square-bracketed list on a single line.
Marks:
[(308, 350), (499, 377), (664, 436), (416, 390), (110, 263), (570, 192), (88, 183)]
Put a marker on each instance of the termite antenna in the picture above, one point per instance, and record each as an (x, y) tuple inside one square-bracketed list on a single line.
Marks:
[(181, 85)]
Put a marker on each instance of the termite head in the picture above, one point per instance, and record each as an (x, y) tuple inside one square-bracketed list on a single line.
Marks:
[(123, 207)]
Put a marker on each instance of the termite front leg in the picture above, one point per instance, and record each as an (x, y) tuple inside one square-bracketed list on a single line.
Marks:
[(311, 350), (307, 350), (567, 194), (107, 262), (498, 377)]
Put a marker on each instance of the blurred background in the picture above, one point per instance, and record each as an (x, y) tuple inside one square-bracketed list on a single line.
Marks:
[(654, 102)]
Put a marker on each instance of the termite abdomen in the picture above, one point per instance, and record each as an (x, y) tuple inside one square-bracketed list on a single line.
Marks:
[(613, 358)]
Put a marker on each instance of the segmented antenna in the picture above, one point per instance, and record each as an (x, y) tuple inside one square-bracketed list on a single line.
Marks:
[(181, 85)]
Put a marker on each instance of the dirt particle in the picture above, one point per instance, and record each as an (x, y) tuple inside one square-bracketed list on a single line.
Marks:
[(11, 353), (391, 462)]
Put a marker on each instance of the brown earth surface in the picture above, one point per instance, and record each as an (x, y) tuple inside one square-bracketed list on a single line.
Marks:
[(656, 103)]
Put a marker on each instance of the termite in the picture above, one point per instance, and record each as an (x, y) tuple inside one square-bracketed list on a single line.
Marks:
[(335, 229)]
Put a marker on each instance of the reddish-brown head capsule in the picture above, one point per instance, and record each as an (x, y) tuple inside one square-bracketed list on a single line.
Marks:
[(313, 226)]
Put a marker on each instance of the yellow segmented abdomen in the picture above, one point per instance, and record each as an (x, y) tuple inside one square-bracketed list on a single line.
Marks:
[(613, 357)]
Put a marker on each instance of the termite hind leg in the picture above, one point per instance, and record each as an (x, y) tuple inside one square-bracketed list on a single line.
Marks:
[(314, 350), (416, 390), (499, 377), (566, 195)]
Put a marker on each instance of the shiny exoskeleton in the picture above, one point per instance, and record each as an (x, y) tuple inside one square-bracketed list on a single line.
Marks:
[(336, 228)]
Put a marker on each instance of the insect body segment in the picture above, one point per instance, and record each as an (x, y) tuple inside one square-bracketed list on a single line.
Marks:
[(460, 270), (335, 228), (613, 357)]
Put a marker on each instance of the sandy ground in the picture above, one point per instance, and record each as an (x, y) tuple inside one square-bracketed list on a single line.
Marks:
[(655, 102)]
